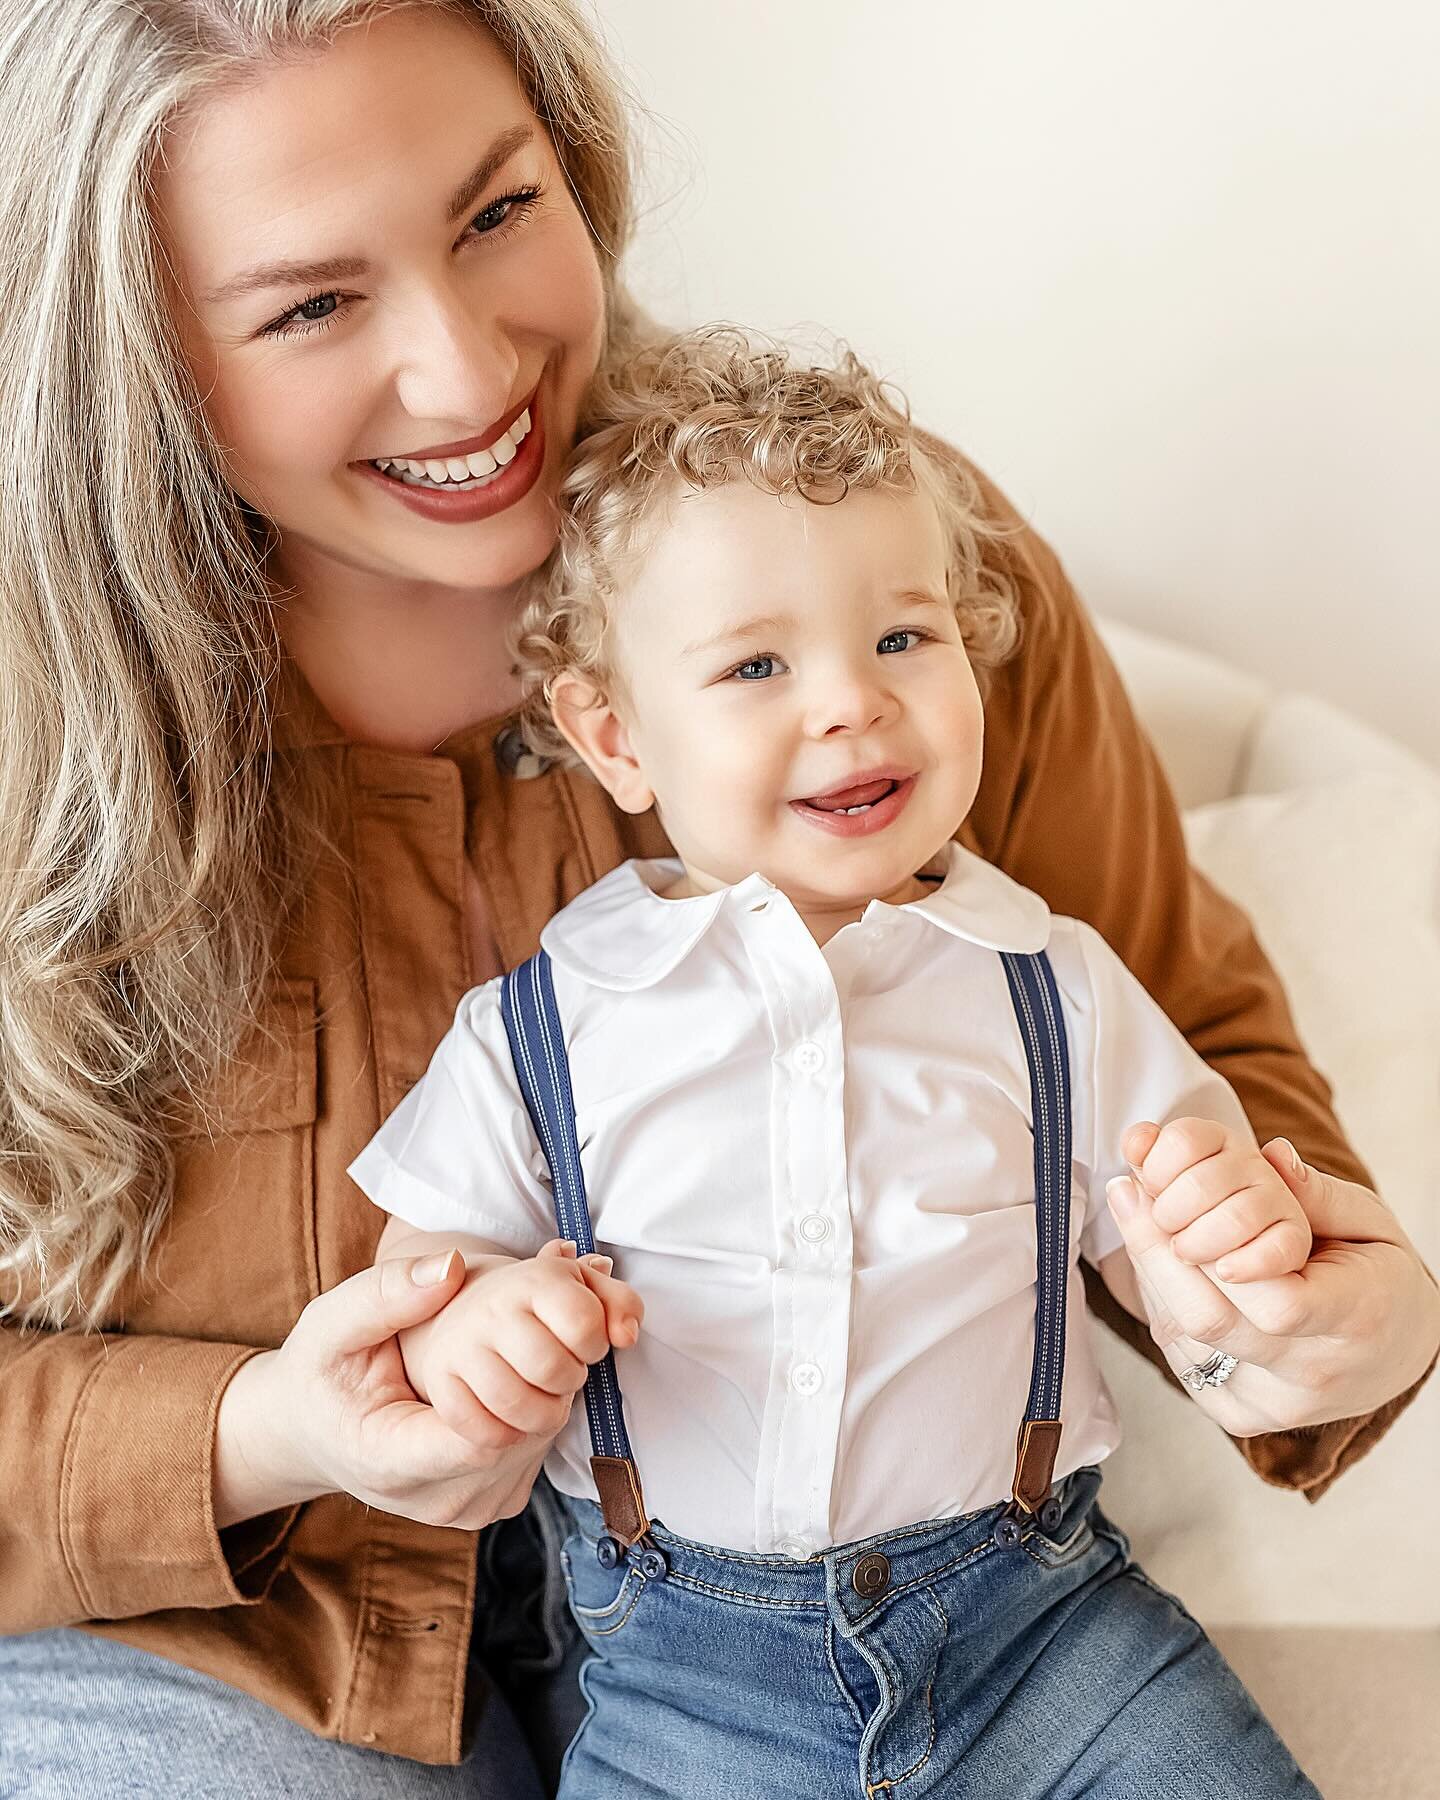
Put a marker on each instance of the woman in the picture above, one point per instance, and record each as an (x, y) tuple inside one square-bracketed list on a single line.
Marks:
[(298, 323)]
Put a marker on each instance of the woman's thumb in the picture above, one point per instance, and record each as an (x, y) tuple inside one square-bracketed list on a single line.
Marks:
[(388, 1297)]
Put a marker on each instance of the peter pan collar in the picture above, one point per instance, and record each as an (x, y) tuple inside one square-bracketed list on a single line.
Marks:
[(621, 935)]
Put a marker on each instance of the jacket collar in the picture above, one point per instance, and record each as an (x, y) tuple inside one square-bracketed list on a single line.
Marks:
[(621, 935)]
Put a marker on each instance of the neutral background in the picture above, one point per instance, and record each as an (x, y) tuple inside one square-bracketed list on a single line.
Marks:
[(1170, 273)]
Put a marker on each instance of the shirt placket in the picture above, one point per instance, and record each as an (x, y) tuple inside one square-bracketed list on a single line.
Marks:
[(814, 1255)]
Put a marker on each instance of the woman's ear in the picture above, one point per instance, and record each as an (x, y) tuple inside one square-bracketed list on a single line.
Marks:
[(597, 734)]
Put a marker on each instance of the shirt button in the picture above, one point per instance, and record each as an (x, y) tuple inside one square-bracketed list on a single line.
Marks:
[(809, 1057), (814, 1228), (807, 1378), (795, 1547)]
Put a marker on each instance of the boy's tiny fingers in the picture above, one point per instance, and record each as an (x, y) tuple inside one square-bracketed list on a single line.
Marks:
[(594, 1260), (1281, 1249)]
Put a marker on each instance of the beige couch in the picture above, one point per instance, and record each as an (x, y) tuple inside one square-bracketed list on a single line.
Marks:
[(1329, 834)]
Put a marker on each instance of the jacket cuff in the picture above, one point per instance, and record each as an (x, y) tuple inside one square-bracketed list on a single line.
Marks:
[(1312, 1459), (137, 1515)]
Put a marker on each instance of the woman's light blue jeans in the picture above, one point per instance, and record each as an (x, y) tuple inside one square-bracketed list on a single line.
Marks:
[(82, 1718), (926, 1662)]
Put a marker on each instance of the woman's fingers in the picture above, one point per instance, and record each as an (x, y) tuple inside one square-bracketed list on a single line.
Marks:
[(387, 1297), (1182, 1300)]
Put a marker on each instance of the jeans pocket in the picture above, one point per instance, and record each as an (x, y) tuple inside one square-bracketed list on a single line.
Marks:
[(602, 1600)]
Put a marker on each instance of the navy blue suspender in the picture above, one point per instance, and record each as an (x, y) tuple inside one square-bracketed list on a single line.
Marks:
[(537, 1044)]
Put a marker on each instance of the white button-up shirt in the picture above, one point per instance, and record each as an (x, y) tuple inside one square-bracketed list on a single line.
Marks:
[(816, 1168)]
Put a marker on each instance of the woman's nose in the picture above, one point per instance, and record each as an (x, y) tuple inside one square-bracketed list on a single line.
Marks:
[(453, 367)]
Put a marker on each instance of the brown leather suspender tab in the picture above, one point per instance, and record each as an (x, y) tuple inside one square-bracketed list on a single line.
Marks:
[(617, 1481), (1039, 1445)]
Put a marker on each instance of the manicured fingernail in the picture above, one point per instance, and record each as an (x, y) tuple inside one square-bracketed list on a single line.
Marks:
[(1121, 1195), (596, 1261), (430, 1271), (1297, 1168), (630, 1331), (568, 1247)]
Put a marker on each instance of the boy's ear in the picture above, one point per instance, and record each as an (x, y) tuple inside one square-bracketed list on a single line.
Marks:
[(598, 736)]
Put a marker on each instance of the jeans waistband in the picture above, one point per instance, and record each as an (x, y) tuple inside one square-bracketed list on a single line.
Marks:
[(913, 1555)]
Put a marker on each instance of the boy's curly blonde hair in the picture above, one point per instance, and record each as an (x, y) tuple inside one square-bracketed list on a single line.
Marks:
[(707, 408)]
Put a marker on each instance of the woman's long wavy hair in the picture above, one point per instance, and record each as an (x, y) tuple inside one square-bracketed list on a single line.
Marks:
[(149, 836)]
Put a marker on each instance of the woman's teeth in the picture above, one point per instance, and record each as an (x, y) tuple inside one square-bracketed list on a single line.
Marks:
[(459, 474)]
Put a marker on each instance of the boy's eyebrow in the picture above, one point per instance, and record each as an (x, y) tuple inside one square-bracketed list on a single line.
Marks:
[(728, 633), (298, 273), (773, 622)]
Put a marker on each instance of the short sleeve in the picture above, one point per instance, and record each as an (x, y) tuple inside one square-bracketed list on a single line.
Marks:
[(459, 1153), (1140, 1068)]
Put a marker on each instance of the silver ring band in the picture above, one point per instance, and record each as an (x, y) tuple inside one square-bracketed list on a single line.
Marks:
[(1215, 1371)]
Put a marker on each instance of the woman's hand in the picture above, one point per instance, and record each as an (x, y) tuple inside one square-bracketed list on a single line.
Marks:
[(1358, 1324), (330, 1411)]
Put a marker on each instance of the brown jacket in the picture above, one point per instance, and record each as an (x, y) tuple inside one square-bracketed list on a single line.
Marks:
[(354, 1622)]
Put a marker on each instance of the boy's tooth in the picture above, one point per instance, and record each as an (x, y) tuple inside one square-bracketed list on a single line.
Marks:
[(413, 468), (481, 462), (521, 428), (437, 471), (503, 451), (458, 467)]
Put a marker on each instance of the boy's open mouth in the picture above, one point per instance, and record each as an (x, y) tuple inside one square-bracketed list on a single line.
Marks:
[(856, 799), (859, 808)]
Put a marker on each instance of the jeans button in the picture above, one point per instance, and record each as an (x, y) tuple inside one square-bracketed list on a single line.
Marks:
[(871, 1575), (1050, 1516), (1007, 1532), (608, 1553)]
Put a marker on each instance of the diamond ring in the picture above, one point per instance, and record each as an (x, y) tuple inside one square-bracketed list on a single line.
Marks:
[(1215, 1371)]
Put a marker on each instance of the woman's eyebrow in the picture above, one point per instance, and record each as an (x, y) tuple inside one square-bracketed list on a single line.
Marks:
[(295, 273)]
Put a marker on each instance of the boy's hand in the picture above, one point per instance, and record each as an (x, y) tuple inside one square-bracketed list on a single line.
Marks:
[(505, 1359), (1222, 1203)]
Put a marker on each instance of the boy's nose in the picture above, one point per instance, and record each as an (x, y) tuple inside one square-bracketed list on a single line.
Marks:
[(849, 707)]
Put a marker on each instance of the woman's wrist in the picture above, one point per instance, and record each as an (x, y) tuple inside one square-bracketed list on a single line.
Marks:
[(258, 1467)]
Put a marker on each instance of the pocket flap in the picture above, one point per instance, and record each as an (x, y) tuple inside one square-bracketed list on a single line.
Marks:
[(270, 1082)]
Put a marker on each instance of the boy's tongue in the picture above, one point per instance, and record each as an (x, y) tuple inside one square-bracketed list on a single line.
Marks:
[(866, 794)]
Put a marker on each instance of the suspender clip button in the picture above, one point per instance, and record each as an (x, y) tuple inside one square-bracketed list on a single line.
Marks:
[(651, 1562), (1007, 1532), (608, 1553)]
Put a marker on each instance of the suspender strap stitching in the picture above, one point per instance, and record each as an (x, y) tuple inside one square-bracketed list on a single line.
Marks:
[(533, 1027), (1036, 1001)]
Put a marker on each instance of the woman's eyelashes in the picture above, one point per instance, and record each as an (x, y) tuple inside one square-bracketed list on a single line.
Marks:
[(494, 220), (761, 668)]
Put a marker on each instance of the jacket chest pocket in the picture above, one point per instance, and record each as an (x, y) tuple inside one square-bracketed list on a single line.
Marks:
[(236, 1260)]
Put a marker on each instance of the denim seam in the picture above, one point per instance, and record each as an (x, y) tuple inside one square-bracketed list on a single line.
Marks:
[(756, 1600), (623, 1620), (840, 1681), (894, 1781), (1073, 1549)]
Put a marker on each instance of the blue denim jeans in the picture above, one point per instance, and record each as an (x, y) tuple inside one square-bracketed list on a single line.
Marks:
[(82, 1718), (925, 1662)]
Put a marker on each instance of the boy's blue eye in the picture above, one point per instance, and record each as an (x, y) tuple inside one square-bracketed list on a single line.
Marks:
[(888, 645), (757, 669)]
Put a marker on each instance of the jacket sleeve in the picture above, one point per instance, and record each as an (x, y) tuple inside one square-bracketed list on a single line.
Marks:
[(107, 1508), (1074, 804)]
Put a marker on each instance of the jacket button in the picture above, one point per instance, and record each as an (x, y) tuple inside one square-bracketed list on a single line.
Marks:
[(871, 1575)]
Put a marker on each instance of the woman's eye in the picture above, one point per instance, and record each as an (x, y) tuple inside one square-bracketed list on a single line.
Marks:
[(758, 668), (490, 218), (313, 313), (897, 640)]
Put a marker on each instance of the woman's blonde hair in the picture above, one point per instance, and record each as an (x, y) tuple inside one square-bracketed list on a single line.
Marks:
[(702, 409), (147, 845)]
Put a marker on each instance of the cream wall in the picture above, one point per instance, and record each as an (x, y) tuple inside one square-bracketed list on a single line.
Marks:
[(1171, 273)]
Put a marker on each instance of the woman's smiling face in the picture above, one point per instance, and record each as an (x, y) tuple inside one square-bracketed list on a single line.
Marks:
[(380, 262)]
